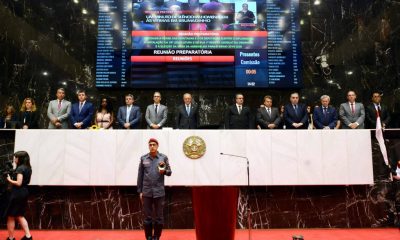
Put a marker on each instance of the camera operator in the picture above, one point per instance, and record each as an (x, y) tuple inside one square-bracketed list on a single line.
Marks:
[(18, 198)]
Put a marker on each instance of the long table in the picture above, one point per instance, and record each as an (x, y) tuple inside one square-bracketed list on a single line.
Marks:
[(278, 157)]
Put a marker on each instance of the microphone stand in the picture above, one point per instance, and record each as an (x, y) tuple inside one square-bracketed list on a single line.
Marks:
[(248, 190)]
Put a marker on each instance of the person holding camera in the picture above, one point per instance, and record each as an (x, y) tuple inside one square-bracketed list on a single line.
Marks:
[(150, 186), (18, 198)]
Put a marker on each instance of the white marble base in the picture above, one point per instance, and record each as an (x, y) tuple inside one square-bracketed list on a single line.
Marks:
[(279, 157)]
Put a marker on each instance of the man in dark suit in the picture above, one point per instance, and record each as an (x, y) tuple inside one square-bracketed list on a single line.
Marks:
[(187, 116), (352, 113), (81, 112), (129, 116), (376, 109), (267, 116), (295, 113), (325, 117), (238, 116)]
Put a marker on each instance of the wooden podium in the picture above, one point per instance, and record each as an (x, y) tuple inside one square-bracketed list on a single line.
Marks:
[(215, 212)]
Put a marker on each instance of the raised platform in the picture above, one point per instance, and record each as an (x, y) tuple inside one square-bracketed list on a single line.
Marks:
[(274, 234), (272, 207)]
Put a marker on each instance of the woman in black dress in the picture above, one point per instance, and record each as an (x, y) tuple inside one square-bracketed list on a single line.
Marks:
[(28, 117), (18, 199)]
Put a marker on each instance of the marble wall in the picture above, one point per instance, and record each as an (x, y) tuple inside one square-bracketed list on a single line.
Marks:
[(47, 44)]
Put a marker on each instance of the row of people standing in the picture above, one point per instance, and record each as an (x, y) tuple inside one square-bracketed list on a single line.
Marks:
[(62, 113), (27, 117), (295, 115)]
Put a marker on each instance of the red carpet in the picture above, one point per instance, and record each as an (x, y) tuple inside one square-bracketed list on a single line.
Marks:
[(274, 234)]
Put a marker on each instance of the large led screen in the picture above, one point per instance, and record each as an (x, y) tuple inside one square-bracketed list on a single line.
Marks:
[(198, 44)]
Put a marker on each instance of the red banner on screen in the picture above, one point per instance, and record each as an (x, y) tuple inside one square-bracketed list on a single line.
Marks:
[(199, 33), (182, 59)]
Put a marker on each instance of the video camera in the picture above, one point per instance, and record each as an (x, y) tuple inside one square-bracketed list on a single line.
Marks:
[(6, 168)]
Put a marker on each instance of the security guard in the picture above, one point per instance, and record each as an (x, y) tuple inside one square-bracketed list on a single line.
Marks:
[(150, 184)]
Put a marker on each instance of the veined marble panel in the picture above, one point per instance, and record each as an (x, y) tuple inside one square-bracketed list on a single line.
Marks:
[(303, 157)]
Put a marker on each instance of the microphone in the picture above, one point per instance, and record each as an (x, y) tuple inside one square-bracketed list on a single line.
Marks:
[(233, 155), (247, 161), (248, 186)]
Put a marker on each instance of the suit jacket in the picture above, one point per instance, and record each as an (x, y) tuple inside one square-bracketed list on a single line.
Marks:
[(62, 114), (185, 121), (263, 118), (85, 115), (134, 116), (31, 119), (160, 118), (347, 117), (371, 115), (234, 120), (291, 117), (322, 120)]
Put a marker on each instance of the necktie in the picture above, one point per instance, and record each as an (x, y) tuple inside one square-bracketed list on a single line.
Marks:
[(188, 109), (378, 113), (295, 109), (80, 107), (156, 108), (352, 108), (325, 116), (269, 111), (128, 112), (59, 105), (240, 109)]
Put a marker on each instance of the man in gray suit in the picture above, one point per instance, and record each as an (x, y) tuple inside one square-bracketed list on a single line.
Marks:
[(267, 116), (352, 113), (156, 113), (58, 111)]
